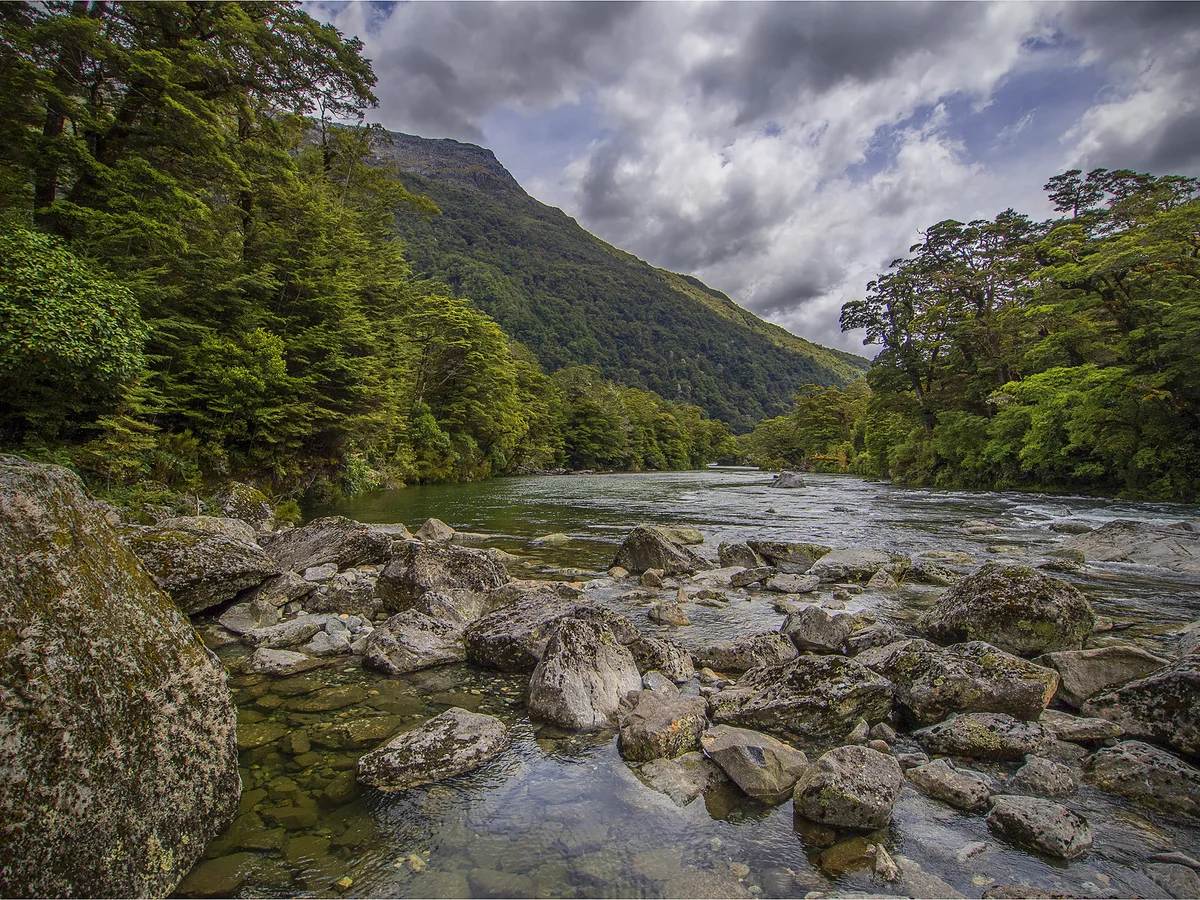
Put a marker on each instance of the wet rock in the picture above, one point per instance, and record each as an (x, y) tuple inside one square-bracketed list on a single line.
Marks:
[(878, 635), (652, 547), (1163, 707), (683, 778), (280, 590), (1147, 775), (683, 534), (1070, 528), (265, 661), (813, 630), (787, 479), (659, 683), (353, 734), (856, 564), (410, 641), (789, 557), (243, 617), (1041, 825), (850, 787), (1086, 673), (883, 581), (1041, 777), (668, 613), (925, 572), (328, 643), (1062, 561), (1015, 608), (582, 677), (738, 555), (655, 726), (767, 649), (693, 883), (291, 633), (201, 561), (118, 727), (656, 654), (854, 854), (810, 697), (763, 767), (1066, 727), (980, 527), (792, 584), (416, 568), (942, 781), (747, 577), (333, 539), (932, 682), (449, 744), (1166, 546), (435, 531), (982, 736), (652, 578), (1178, 881)]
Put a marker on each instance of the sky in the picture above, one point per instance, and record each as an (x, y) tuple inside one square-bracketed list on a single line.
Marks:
[(786, 153)]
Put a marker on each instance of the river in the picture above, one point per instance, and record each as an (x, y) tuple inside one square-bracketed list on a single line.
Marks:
[(560, 815)]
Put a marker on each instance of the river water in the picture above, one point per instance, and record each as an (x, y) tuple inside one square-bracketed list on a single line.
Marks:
[(560, 815)]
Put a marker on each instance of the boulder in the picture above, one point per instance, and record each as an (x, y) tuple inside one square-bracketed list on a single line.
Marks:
[(449, 744), (1165, 546), (435, 531), (982, 736), (656, 726), (789, 557), (243, 617), (813, 630), (763, 767), (264, 661), (333, 539), (118, 762), (201, 561), (660, 683), (819, 697), (1066, 727), (878, 635), (1015, 608), (850, 787), (786, 479), (652, 547), (683, 534), (924, 572), (1163, 707), (1085, 673), (1041, 777), (941, 781), (1189, 640), (747, 577), (768, 649), (931, 683), (856, 564), (1040, 825), (883, 580), (410, 641), (738, 555), (416, 568), (246, 504), (1179, 881), (792, 584), (280, 590), (980, 527), (351, 592), (582, 677), (656, 654), (668, 612), (1147, 775), (286, 634), (328, 643), (683, 778)]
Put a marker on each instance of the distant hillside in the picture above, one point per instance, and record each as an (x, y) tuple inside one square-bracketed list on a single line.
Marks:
[(575, 300)]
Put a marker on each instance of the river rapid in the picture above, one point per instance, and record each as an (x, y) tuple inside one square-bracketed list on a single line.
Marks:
[(562, 815)]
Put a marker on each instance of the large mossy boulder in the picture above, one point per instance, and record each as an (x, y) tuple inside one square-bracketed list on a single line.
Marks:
[(201, 561), (652, 547), (247, 504), (1162, 707), (1015, 608), (333, 539), (418, 567), (118, 762), (982, 736), (449, 744), (849, 787)]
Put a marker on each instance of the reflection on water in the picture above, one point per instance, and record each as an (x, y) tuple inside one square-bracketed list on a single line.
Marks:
[(559, 815)]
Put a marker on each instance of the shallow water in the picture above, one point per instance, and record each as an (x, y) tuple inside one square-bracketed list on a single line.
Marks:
[(560, 815)]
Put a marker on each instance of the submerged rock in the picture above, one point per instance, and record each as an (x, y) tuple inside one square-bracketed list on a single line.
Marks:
[(410, 641), (763, 767), (1163, 707), (1166, 546), (265, 661), (449, 744), (1086, 673), (983, 736), (683, 778), (582, 677), (118, 763), (1041, 825), (850, 787), (656, 726), (1146, 775), (652, 547), (333, 539)]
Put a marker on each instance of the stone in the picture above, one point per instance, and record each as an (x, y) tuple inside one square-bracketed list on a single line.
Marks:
[(1162, 707), (652, 547), (582, 677), (1085, 673), (1062, 561), (982, 736), (941, 781), (747, 577), (451, 743), (768, 649), (813, 630), (683, 534), (786, 479), (1041, 777), (119, 731), (351, 592), (243, 617), (1016, 608), (856, 564), (860, 733), (849, 787), (683, 778), (692, 883), (656, 726), (279, 591), (652, 578), (789, 557), (435, 531), (201, 561), (289, 633), (657, 654), (265, 661), (320, 574), (792, 584), (411, 641), (1040, 825), (738, 555), (931, 682), (925, 572), (328, 643), (980, 527), (879, 635), (1070, 527), (659, 683), (1165, 546), (333, 539), (763, 767), (1147, 775), (817, 697), (1066, 727), (850, 855), (1178, 881), (883, 580), (668, 613), (416, 568)]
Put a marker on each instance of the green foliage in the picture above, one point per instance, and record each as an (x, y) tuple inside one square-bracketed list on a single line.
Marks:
[(821, 433)]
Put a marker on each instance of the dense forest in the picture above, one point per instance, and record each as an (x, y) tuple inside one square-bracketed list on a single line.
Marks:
[(201, 275), (1052, 355)]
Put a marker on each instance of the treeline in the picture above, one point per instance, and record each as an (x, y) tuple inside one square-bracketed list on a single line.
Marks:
[(1058, 354), (200, 274)]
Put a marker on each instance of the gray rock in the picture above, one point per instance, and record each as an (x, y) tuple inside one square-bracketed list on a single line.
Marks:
[(883, 581), (119, 729), (1066, 727), (810, 697), (767, 649), (763, 767), (1015, 608), (1146, 775), (683, 534), (656, 654), (1166, 546), (280, 590), (264, 661), (286, 634), (983, 736), (738, 555), (351, 592), (1086, 673), (1179, 881), (813, 630), (792, 584), (333, 539), (411, 641), (582, 677), (879, 635), (247, 504), (435, 531), (658, 682), (747, 577), (942, 781), (925, 572), (1070, 528), (202, 561), (850, 787), (320, 574), (1163, 707), (683, 778), (980, 527), (449, 744), (931, 683), (656, 726), (668, 613), (327, 643), (856, 564), (1189, 639), (243, 617), (416, 568), (1041, 825), (1041, 777), (651, 547), (786, 479), (789, 557)]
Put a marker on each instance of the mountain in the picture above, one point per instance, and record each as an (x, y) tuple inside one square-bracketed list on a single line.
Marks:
[(575, 300)]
